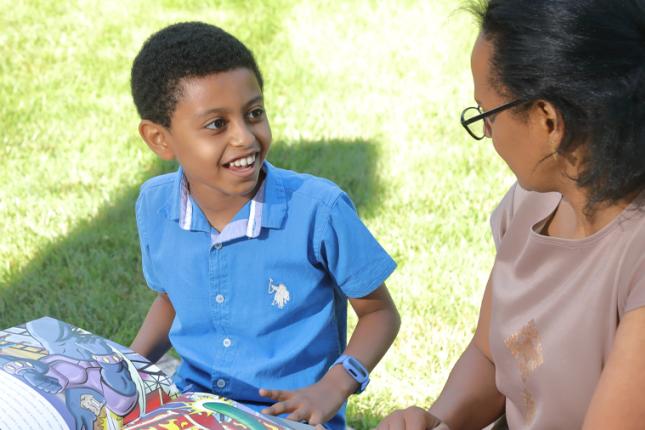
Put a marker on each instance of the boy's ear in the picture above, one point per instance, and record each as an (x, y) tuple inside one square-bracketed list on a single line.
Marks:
[(157, 138)]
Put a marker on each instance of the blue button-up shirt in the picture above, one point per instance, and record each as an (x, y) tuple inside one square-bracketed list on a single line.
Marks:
[(263, 302)]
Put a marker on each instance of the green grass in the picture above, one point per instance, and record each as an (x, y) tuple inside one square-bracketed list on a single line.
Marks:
[(367, 93)]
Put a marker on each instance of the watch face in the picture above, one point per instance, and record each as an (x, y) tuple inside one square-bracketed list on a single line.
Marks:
[(356, 369)]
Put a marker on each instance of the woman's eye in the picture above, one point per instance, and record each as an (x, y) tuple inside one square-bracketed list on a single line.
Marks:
[(216, 124), (256, 113), (488, 120)]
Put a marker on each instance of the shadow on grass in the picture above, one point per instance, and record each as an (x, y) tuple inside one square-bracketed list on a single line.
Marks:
[(350, 164), (92, 277)]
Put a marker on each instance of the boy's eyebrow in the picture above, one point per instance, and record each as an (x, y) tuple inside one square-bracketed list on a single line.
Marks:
[(211, 111), (254, 100)]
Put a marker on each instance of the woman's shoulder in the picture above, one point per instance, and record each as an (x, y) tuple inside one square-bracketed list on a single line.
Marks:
[(631, 273), (519, 203)]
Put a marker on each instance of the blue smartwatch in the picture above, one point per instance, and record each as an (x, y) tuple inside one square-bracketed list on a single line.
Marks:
[(356, 370)]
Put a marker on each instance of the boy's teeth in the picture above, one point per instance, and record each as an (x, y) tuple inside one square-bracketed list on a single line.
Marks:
[(243, 162)]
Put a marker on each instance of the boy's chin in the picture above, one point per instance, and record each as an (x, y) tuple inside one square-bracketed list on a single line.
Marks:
[(248, 190)]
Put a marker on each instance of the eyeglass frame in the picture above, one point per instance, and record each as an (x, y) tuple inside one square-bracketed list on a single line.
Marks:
[(483, 115)]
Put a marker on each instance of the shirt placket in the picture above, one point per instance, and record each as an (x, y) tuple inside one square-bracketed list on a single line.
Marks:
[(220, 305)]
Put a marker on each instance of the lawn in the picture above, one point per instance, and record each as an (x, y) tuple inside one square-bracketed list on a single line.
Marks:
[(367, 93)]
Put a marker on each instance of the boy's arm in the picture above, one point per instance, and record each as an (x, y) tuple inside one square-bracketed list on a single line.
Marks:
[(377, 326), (152, 340)]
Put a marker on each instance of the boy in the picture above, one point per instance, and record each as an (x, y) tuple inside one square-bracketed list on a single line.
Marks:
[(252, 264)]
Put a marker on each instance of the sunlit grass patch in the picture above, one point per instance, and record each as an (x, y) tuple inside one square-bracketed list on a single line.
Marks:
[(366, 92)]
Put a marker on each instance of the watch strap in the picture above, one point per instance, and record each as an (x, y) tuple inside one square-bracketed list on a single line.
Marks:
[(355, 369)]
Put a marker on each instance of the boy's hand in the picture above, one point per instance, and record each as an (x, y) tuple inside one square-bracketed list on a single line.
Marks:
[(412, 418), (313, 404), (316, 404)]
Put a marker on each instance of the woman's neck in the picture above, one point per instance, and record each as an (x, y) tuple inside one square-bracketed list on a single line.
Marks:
[(571, 219)]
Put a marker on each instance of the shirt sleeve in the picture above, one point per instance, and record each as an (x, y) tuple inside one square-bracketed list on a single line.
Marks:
[(146, 261), (503, 214), (351, 255), (636, 296)]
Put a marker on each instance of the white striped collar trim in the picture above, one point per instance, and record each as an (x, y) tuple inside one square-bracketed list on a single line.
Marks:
[(253, 223)]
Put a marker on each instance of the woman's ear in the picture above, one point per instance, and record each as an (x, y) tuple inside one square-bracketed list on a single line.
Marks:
[(157, 138), (551, 125), (549, 120)]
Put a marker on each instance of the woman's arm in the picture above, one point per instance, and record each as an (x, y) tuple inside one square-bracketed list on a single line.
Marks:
[(470, 399), (152, 340), (619, 399)]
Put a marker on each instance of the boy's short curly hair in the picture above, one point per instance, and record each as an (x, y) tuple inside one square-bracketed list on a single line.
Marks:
[(179, 51)]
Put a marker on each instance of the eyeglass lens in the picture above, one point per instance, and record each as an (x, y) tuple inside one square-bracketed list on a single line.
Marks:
[(477, 128)]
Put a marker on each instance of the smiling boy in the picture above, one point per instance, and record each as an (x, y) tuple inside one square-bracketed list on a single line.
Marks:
[(253, 265)]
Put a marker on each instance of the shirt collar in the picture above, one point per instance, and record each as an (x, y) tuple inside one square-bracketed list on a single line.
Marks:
[(275, 198), (267, 208)]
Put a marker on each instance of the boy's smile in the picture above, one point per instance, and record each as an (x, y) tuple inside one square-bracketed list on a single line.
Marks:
[(220, 135), (242, 166)]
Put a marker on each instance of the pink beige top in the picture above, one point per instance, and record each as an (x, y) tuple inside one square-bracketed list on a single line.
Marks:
[(556, 305)]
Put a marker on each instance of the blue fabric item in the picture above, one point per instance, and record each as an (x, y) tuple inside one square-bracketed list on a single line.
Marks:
[(266, 309)]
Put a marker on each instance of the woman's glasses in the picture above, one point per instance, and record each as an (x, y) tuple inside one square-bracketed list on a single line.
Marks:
[(474, 119)]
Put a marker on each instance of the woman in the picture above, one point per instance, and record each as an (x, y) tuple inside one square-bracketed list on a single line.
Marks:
[(560, 342)]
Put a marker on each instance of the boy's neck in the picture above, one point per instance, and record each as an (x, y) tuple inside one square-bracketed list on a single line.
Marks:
[(219, 208), (222, 211)]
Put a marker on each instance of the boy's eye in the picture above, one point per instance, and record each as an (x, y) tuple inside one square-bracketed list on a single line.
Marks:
[(256, 113), (216, 124)]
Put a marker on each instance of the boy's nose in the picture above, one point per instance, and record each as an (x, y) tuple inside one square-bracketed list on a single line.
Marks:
[(241, 135)]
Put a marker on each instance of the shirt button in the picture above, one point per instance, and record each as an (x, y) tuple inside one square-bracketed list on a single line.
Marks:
[(221, 383), (218, 245), (219, 298), (226, 342)]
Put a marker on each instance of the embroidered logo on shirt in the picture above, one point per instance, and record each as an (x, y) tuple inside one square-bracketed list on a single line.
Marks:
[(280, 294), (526, 347)]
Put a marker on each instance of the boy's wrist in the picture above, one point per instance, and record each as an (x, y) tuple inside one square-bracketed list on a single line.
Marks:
[(355, 370), (341, 380)]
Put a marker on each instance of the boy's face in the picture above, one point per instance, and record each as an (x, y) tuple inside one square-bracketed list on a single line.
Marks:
[(219, 133)]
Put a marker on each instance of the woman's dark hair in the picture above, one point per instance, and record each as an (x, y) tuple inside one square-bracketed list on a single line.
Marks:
[(183, 50), (587, 58)]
